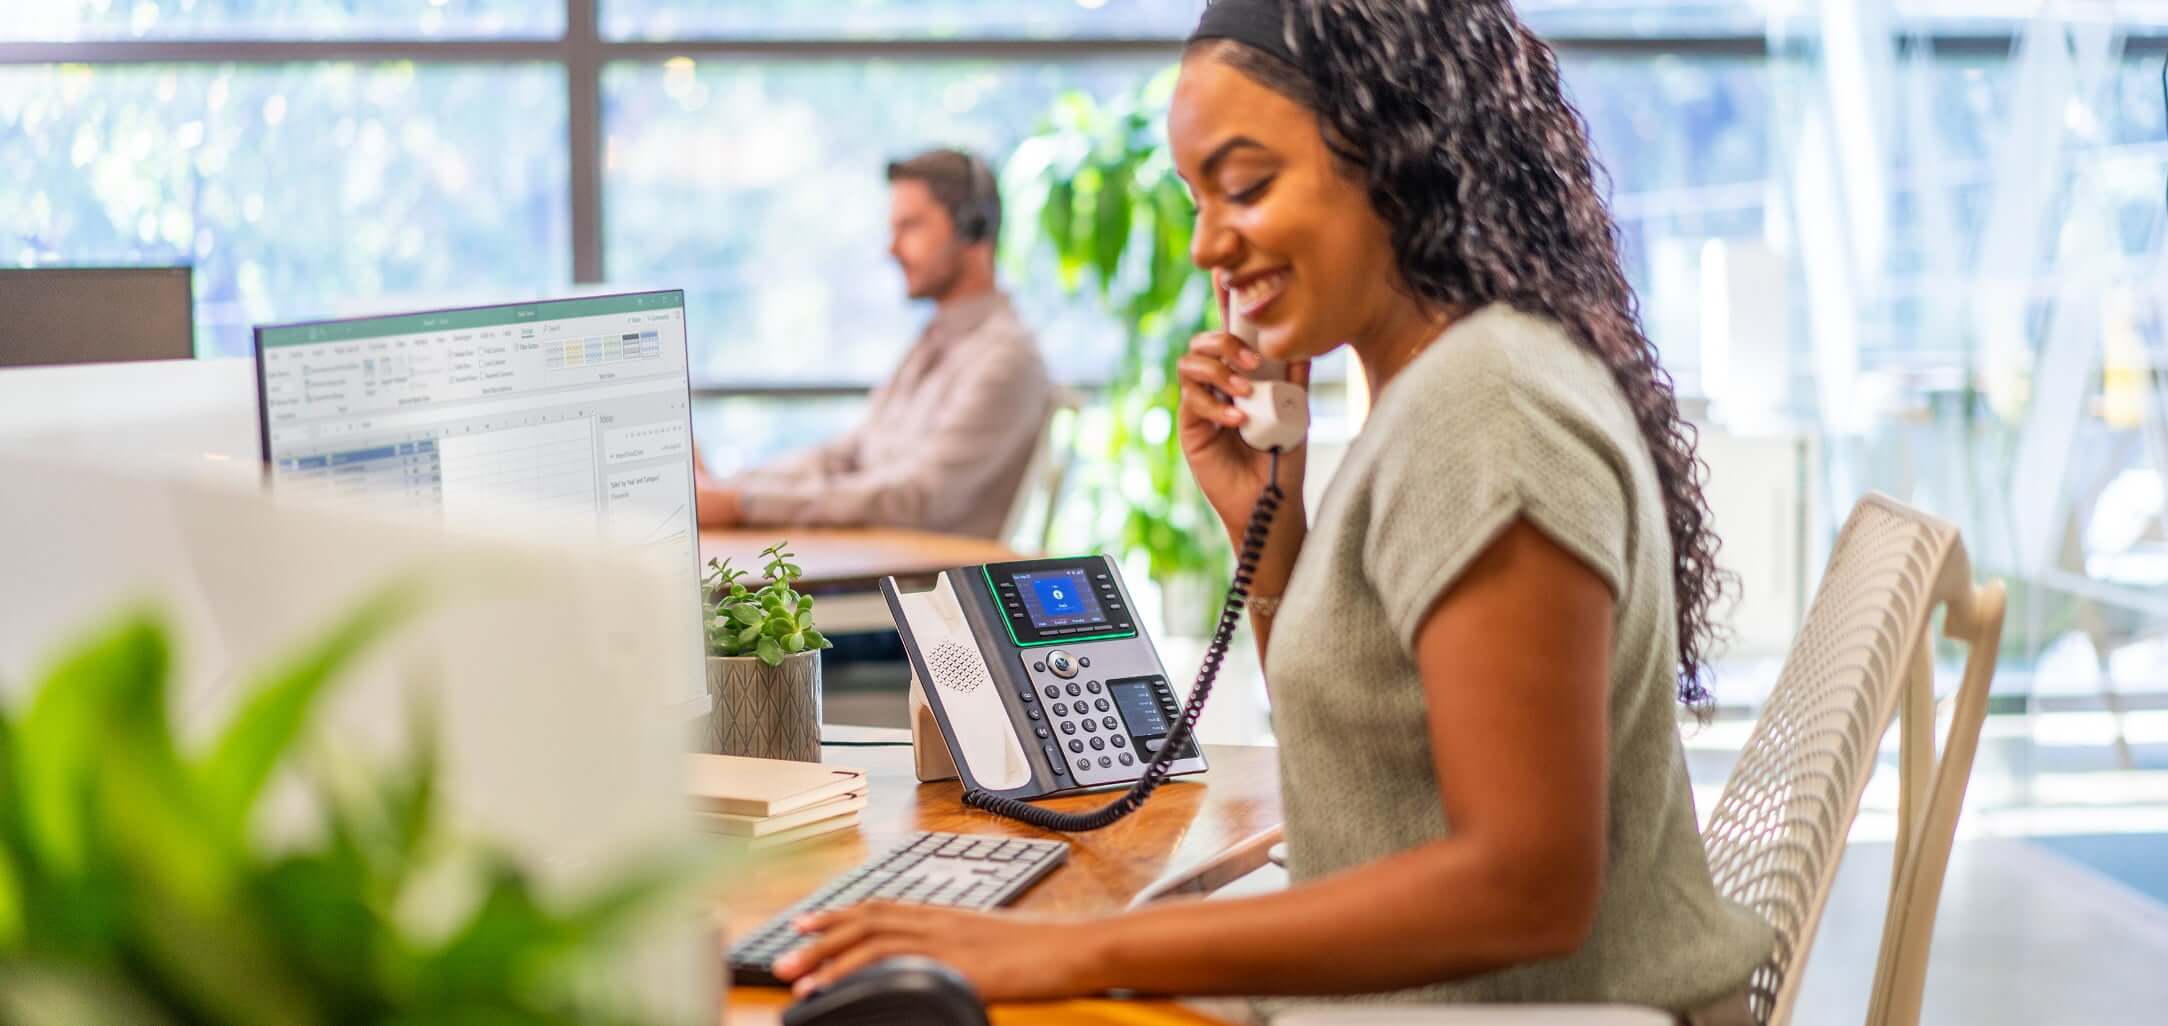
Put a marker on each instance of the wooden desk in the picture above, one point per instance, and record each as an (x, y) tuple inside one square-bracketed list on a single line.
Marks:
[(844, 566), (853, 559), (1186, 821)]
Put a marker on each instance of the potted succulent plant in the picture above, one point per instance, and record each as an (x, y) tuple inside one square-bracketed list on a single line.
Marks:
[(764, 669)]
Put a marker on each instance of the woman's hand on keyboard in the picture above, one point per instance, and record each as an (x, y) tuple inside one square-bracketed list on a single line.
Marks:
[(1004, 957)]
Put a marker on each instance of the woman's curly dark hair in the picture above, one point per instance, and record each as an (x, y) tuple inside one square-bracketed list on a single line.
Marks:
[(1452, 113)]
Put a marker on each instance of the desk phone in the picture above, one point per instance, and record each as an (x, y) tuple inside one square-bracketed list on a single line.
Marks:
[(1034, 675), (1032, 678)]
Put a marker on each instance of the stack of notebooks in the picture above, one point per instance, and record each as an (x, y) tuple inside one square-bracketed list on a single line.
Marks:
[(768, 803)]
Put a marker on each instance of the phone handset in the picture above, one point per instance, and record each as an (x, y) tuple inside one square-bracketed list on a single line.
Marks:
[(1279, 419), (1277, 411)]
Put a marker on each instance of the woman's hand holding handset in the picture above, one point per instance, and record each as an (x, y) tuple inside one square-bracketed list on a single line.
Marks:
[(1232, 474)]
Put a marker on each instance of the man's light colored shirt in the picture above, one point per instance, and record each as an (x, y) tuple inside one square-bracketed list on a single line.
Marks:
[(943, 446)]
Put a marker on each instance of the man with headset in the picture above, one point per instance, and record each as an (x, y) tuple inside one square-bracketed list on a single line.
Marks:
[(944, 444)]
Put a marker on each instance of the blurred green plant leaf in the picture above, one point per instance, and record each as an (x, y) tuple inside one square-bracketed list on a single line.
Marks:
[(58, 746), (279, 704), (134, 894), (36, 994)]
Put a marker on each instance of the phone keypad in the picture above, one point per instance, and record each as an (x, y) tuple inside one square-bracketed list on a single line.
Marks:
[(1094, 746)]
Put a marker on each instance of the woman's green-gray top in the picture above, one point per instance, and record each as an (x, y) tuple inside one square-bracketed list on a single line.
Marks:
[(1503, 417)]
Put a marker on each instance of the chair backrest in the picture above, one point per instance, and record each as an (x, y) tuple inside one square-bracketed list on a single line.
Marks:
[(1862, 658), (1030, 520)]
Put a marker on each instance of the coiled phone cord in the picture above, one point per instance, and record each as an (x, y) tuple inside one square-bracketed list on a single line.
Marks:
[(1155, 772)]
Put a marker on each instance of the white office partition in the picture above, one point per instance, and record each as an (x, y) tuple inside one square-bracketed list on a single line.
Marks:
[(197, 416)]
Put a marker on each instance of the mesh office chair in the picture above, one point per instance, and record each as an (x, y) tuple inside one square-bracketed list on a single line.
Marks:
[(1862, 659)]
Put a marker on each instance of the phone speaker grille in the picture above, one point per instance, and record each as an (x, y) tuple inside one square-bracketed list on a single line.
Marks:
[(956, 668)]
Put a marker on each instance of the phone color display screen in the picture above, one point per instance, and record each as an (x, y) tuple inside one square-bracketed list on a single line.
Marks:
[(1059, 598)]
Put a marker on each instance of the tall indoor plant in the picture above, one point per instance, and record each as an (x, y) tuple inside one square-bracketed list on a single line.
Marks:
[(1097, 190)]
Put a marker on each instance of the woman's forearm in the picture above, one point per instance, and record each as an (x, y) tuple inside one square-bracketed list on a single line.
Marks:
[(1427, 915)]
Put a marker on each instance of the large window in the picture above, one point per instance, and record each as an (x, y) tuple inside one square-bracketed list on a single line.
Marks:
[(323, 157), (898, 19), (74, 20), (296, 190), (1893, 174)]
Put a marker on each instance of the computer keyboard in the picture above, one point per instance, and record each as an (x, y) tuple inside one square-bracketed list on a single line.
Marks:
[(953, 870)]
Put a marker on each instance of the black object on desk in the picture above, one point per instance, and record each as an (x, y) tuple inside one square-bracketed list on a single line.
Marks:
[(905, 991)]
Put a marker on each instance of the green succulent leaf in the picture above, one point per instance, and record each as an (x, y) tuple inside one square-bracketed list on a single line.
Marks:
[(794, 642), (770, 652), (747, 614)]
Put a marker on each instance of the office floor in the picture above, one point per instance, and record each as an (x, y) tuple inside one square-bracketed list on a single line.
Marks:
[(2056, 905)]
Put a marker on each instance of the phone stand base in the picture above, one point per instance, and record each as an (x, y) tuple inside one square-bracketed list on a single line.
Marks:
[(929, 751)]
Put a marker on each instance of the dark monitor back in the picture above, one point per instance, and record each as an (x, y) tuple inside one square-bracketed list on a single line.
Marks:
[(54, 315)]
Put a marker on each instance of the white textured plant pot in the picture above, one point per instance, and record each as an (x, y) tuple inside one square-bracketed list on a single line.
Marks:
[(767, 712)]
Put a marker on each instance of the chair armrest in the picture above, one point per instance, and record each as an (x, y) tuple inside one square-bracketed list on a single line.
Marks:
[(1229, 864), (1475, 1015)]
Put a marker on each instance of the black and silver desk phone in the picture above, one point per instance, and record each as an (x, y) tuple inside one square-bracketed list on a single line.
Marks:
[(1035, 678)]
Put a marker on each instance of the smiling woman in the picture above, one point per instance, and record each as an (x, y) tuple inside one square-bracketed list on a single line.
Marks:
[(1481, 638)]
